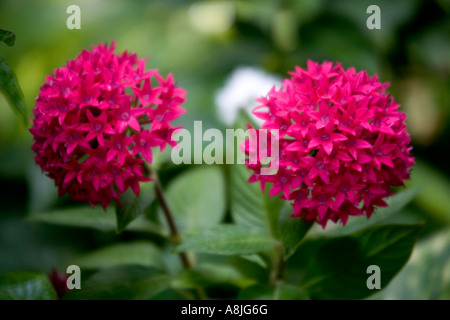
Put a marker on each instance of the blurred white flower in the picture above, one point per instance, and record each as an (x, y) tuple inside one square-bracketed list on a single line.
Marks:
[(213, 17), (242, 87)]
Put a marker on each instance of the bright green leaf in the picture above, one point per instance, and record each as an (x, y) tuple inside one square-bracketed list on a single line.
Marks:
[(133, 206), (197, 199), (336, 268), (7, 37), (26, 285), (278, 291), (122, 283), (227, 240), (136, 253), (250, 207), (255, 258), (10, 87)]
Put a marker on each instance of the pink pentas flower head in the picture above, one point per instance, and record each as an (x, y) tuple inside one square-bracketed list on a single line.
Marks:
[(342, 143), (96, 121)]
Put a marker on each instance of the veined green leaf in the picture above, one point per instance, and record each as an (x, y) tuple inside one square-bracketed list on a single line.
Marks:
[(292, 230), (134, 253), (196, 199), (93, 218), (227, 240), (133, 205), (250, 207)]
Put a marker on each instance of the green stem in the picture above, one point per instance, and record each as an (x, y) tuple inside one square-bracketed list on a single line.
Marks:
[(174, 233), (278, 265)]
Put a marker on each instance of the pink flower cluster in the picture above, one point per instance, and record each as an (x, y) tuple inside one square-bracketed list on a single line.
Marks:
[(342, 143), (96, 120)]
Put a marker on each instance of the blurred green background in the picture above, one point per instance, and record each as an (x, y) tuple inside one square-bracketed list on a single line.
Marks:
[(201, 43)]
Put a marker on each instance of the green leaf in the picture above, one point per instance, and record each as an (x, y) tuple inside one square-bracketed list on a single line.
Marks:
[(207, 274), (250, 207), (26, 285), (136, 253), (278, 291), (434, 197), (292, 231), (94, 218), (122, 283), (255, 258), (336, 268), (251, 271), (133, 206), (196, 199), (7, 37), (382, 215), (227, 240), (10, 87), (426, 276)]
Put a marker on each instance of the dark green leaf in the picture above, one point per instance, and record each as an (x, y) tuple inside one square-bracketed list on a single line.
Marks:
[(292, 230), (278, 291), (227, 240), (95, 218), (137, 253), (197, 199), (9, 85), (7, 37), (26, 285), (425, 277), (381, 215), (133, 206), (122, 283), (336, 268)]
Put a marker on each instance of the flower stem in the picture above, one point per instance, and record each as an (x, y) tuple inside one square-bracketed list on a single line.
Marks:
[(175, 234), (278, 266)]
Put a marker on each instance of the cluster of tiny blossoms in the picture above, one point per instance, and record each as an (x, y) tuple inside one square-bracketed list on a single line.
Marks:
[(96, 120), (342, 143)]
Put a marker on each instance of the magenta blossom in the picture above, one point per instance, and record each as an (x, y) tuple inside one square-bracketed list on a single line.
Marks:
[(342, 142), (96, 120)]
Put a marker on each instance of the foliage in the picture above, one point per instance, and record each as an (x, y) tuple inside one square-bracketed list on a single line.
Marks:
[(242, 244)]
